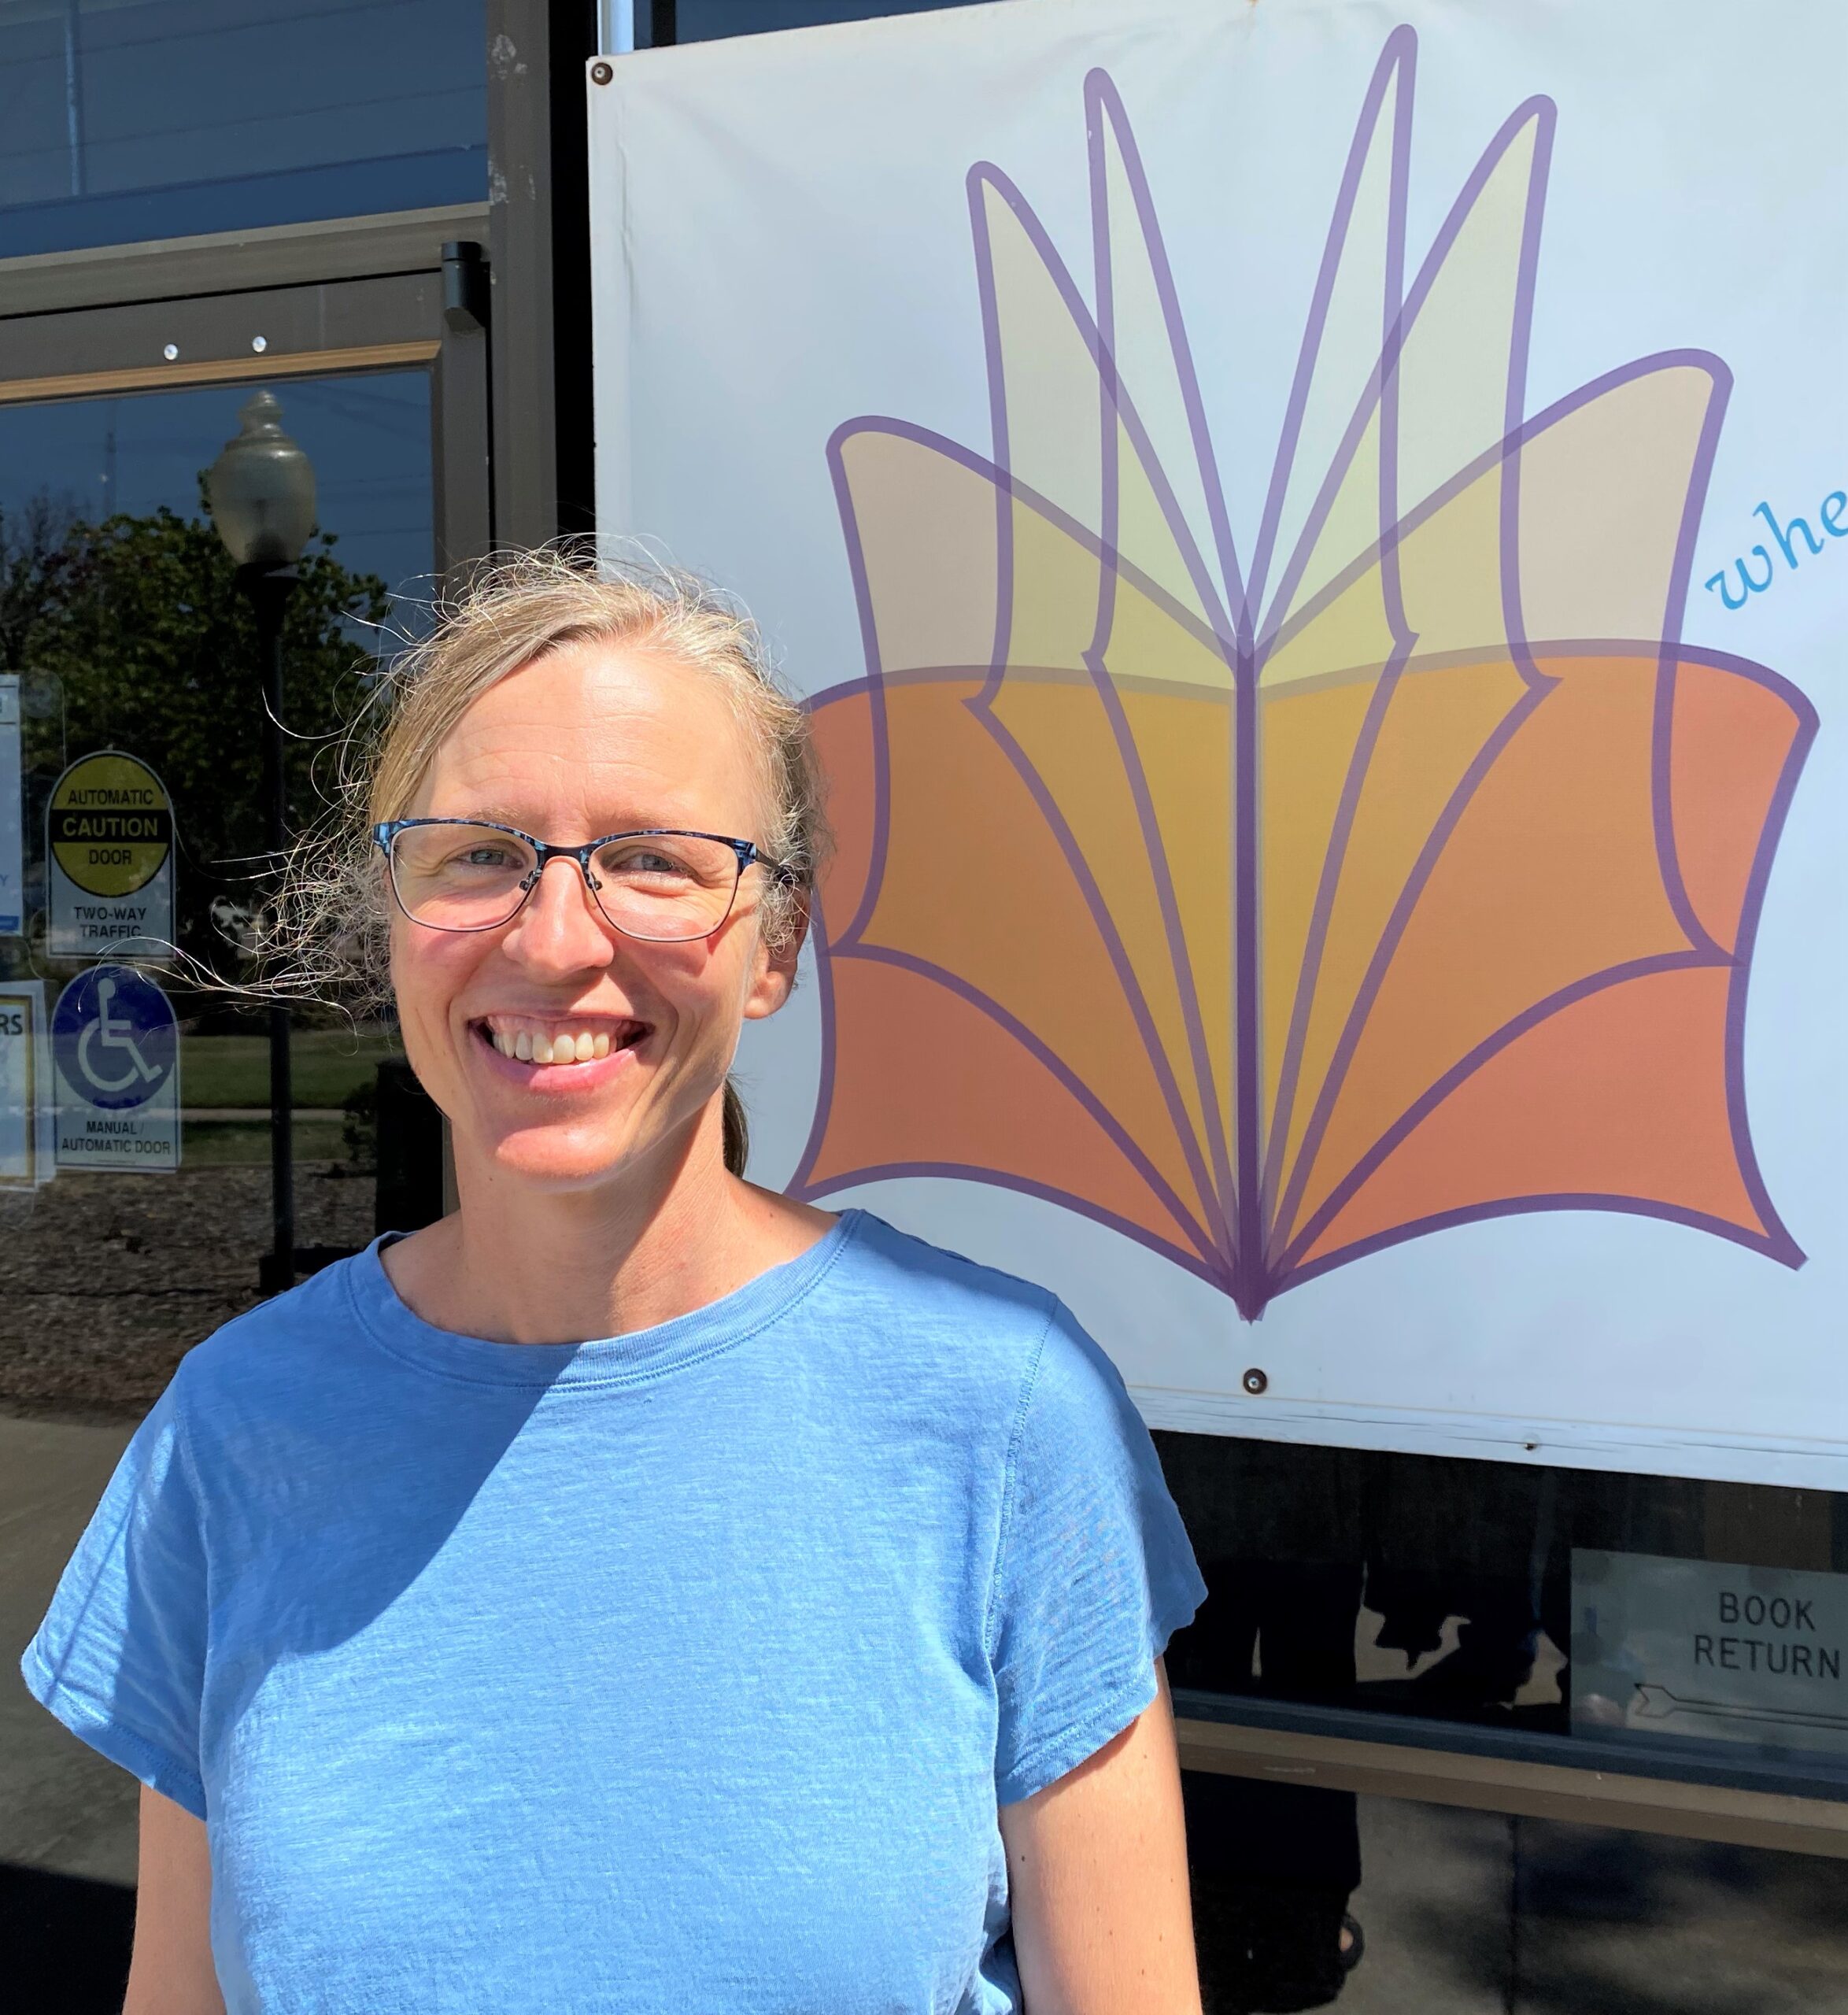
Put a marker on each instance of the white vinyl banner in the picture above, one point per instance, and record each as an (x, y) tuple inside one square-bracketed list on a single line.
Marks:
[(1316, 536)]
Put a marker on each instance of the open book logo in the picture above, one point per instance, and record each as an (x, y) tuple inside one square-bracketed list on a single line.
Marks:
[(1275, 908)]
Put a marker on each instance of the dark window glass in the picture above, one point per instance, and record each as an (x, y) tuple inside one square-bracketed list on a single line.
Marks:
[(1518, 1610), (120, 618), (122, 119), (706, 20), (368, 438), (122, 627)]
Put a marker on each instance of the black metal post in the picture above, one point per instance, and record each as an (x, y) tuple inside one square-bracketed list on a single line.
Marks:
[(269, 588)]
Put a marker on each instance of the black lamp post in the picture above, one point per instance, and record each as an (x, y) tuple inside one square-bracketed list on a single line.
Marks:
[(261, 494)]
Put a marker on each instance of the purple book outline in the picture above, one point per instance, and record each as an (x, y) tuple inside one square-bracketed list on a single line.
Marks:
[(1242, 1246)]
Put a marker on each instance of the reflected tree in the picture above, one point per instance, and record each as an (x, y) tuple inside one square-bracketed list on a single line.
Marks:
[(154, 651)]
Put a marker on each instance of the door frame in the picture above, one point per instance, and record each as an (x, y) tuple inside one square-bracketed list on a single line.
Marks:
[(408, 289)]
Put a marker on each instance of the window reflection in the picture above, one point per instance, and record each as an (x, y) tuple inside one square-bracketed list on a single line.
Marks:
[(132, 119), (368, 437), (706, 20), (1412, 1590), (121, 624)]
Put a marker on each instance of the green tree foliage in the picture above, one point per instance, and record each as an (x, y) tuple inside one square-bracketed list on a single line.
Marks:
[(131, 634)]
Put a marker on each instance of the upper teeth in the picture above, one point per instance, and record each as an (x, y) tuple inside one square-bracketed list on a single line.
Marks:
[(536, 1046)]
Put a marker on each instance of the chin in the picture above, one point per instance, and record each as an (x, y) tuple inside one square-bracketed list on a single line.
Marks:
[(558, 1158)]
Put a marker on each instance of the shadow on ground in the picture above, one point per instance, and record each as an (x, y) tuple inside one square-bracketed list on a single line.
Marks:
[(66, 1942), (1480, 1913)]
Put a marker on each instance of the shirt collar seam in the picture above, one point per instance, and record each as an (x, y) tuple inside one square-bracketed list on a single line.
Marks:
[(642, 1375)]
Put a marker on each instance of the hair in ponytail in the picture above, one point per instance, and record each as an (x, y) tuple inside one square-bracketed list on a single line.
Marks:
[(737, 1131)]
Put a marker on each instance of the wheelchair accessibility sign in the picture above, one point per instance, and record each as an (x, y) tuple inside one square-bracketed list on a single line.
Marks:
[(114, 1042)]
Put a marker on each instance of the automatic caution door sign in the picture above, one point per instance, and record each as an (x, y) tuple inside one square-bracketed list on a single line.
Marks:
[(108, 860), (115, 1043)]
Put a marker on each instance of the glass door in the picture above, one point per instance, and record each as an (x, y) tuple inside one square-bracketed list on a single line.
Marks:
[(135, 1135), (134, 666)]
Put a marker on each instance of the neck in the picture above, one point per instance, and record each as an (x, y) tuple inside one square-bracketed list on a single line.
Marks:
[(519, 1265)]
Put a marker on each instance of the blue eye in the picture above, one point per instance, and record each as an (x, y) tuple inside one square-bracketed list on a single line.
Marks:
[(646, 858)]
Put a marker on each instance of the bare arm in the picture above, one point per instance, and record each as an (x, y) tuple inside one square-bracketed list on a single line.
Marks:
[(1097, 1873), (171, 1972)]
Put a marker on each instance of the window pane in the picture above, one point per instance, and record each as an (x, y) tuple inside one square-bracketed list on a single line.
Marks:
[(1655, 1624), (122, 623), (122, 119), (368, 438), (706, 20)]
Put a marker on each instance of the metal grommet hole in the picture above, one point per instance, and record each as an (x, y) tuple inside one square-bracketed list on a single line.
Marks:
[(600, 73), (1256, 1382)]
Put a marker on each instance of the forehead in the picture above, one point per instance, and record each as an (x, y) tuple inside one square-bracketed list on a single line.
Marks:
[(598, 736)]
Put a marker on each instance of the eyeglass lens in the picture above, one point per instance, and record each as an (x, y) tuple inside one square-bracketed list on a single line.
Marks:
[(663, 886)]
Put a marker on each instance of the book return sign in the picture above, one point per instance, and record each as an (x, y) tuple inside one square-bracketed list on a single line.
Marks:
[(109, 855), (1703, 1651)]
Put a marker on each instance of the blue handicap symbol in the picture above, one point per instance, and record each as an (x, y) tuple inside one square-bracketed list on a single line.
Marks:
[(115, 1037)]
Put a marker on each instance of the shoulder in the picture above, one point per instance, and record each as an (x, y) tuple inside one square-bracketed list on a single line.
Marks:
[(953, 1304), (290, 1350), (950, 1320)]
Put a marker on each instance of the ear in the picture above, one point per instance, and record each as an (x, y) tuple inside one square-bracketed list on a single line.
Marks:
[(772, 973)]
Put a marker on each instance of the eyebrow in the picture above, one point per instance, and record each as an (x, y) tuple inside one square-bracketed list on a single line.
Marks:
[(502, 818)]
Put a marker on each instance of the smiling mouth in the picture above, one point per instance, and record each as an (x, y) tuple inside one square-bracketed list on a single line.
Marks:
[(549, 1043)]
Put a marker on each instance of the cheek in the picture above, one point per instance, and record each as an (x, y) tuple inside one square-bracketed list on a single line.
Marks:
[(702, 988), (427, 971), (730, 971)]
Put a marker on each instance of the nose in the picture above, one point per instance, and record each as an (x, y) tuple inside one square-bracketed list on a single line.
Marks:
[(559, 929)]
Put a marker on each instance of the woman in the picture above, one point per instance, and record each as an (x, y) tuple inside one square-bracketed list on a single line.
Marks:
[(638, 1591)]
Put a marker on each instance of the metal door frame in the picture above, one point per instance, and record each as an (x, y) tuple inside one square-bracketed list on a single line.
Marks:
[(404, 290)]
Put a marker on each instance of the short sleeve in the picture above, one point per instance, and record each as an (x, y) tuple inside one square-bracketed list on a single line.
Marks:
[(119, 1658), (1093, 1574)]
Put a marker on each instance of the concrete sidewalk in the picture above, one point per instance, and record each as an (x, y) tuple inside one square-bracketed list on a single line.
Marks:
[(63, 1809), (1474, 1914)]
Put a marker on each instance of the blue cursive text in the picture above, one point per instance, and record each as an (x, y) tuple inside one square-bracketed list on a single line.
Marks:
[(1794, 541)]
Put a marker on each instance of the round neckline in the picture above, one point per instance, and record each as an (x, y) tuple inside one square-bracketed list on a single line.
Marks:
[(623, 1360)]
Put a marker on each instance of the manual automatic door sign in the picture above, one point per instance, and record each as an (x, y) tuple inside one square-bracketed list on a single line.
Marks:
[(109, 854), (25, 1087), (116, 1042)]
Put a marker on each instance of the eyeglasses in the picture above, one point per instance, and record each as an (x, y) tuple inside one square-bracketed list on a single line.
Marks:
[(472, 875)]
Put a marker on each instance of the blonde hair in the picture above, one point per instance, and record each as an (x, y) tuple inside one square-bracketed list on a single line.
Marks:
[(330, 931)]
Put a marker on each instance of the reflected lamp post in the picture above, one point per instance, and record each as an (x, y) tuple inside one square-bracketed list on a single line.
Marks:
[(261, 494)]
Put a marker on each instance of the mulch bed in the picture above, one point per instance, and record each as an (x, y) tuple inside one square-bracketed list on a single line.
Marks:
[(107, 1280)]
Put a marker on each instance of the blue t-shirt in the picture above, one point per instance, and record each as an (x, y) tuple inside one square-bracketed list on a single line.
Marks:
[(682, 1670)]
